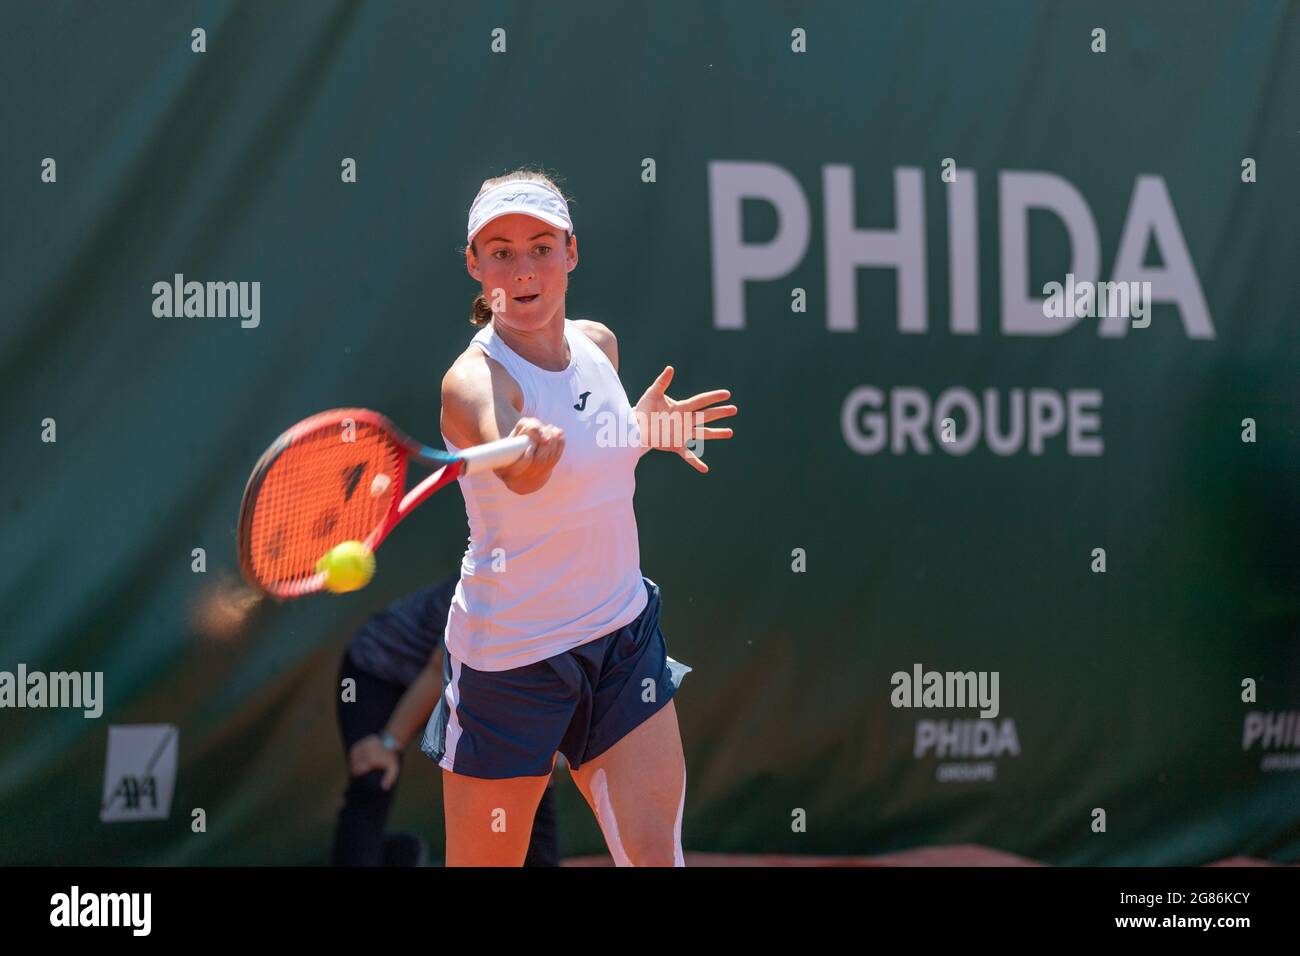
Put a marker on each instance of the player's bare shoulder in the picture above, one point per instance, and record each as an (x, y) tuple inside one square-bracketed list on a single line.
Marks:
[(472, 386), (476, 376), (603, 336)]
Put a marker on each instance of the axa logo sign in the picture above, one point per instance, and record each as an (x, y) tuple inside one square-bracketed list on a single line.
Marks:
[(1150, 222)]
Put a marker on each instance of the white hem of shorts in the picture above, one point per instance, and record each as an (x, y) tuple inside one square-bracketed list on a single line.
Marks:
[(452, 737)]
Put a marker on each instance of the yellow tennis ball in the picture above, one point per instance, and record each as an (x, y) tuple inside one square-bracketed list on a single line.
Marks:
[(348, 567)]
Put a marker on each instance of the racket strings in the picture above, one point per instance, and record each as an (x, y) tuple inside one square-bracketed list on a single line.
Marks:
[(318, 492)]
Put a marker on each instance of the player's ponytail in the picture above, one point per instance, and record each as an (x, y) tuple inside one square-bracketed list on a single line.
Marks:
[(480, 313)]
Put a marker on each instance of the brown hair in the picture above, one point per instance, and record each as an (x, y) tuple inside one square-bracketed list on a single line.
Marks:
[(481, 311)]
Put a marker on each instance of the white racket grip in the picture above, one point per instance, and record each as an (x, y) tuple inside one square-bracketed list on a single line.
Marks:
[(494, 454)]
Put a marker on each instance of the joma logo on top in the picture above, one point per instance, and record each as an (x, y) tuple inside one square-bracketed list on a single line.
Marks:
[(902, 247)]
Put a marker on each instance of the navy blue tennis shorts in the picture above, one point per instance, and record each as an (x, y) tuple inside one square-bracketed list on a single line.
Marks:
[(511, 723)]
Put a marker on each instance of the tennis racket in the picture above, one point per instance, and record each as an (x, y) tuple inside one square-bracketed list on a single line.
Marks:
[(334, 477)]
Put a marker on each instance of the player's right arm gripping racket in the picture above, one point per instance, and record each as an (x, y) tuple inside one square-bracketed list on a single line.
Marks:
[(336, 477)]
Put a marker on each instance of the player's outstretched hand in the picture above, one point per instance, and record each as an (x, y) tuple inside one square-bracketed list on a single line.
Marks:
[(667, 424)]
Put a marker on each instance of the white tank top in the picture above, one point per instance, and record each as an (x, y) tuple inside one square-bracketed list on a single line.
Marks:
[(548, 571)]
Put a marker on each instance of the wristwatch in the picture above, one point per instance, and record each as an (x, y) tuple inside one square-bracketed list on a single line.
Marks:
[(390, 742)]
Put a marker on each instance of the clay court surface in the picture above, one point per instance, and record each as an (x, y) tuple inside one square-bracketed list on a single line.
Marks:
[(964, 855)]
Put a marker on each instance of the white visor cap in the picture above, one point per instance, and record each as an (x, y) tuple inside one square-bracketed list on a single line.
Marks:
[(529, 199)]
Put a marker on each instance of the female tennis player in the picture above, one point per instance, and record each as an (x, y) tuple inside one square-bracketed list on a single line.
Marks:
[(553, 640)]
